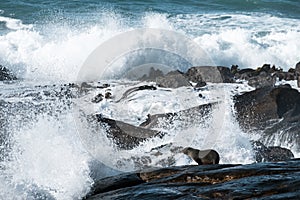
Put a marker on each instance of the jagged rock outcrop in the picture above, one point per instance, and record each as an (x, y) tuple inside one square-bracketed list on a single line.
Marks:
[(209, 74), (6, 75), (174, 79)]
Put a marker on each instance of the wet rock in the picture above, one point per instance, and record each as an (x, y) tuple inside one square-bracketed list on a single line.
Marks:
[(261, 180), (288, 76), (271, 153), (108, 95), (245, 74), (265, 68), (200, 85), (6, 75), (97, 98), (135, 89), (256, 108), (297, 71), (262, 80), (126, 136), (173, 80), (152, 75), (186, 117), (209, 74)]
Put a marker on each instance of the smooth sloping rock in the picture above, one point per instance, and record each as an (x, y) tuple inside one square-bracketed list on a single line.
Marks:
[(126, 136), (263, 180)]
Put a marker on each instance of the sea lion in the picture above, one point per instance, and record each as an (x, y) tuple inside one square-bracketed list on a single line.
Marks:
[(202, 157)]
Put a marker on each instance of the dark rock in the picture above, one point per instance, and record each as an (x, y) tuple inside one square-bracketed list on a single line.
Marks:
[(115, 183), (173, 80), (192, 115), (279, 154), (245, 74), (6, 75), (271, 153), (256, 108), (126, 136), (97, 98), (107, 95), (292, 70), (288, 76), (152, 75), (200, 85), (262, 80), (297, 69), (261, 180), (265, 68), (234, 69), (209, 74)]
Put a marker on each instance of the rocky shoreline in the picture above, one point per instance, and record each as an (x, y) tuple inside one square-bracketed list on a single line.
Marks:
[(279, 180), (271, 109)]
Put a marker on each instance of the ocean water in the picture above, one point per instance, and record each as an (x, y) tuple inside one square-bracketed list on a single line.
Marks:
[(50, 40), (46, 43)]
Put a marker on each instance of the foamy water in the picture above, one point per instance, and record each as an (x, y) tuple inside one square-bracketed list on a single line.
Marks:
[(228, 39), (49, 158)]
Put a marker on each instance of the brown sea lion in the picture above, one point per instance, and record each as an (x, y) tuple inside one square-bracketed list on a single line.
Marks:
[(202, 157)]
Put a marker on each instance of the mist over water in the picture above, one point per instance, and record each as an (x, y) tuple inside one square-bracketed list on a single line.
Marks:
[(47, 42)]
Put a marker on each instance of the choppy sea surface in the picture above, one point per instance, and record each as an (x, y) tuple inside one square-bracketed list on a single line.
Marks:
[(45, 43)]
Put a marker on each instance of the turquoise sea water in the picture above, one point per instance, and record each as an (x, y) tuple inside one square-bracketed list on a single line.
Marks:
[(37, 35)]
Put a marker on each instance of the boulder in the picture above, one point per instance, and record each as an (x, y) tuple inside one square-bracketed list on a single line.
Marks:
[(255, 108), (262, 80), (126, 136), (288, 76), (271, 153), (209, 74), (173, 80), (6, 75), (245, 74)]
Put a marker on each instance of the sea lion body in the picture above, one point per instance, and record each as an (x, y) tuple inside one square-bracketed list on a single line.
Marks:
[(202, 157)]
